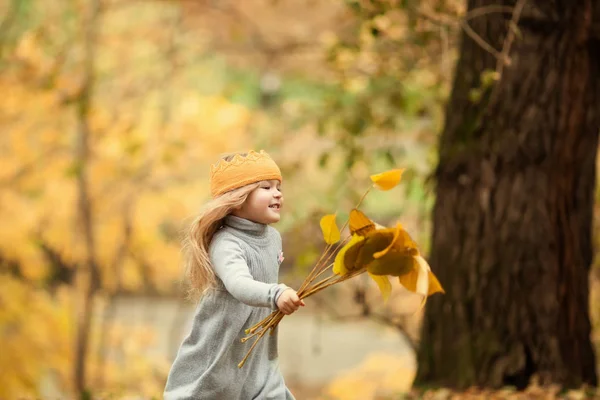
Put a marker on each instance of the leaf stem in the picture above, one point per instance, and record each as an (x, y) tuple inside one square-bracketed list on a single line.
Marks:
[(363, 197), (324, 270), (262, 333), (262, 323)]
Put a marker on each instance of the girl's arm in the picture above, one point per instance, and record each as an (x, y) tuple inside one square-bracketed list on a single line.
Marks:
[(229, 264)]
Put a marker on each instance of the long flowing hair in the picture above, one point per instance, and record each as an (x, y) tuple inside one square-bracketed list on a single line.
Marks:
[(198, 269)]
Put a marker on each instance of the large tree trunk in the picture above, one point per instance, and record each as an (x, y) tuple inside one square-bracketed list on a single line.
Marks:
[(513, 216)]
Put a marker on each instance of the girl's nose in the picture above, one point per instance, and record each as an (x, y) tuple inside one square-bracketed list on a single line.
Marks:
[(277, 194)]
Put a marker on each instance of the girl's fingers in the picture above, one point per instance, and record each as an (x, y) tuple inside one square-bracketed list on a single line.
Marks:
[(290, 307)]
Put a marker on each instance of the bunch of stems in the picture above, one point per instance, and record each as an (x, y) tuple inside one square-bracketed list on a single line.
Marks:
[(309, 287)]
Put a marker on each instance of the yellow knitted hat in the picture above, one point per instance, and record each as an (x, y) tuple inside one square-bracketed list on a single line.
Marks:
[(242, 171)]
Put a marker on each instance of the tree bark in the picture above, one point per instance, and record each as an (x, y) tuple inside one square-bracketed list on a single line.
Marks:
[(514, 201)]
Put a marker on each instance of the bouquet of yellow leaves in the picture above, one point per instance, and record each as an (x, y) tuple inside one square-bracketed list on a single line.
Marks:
[(377, 250)]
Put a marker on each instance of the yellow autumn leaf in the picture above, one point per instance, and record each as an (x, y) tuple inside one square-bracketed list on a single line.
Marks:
[(394, 263), (423, 278), (430, 283), (339, 267), (434, 285), (330, 230), (394, 239), (385, 287), (422, 281), (360, 223), (387, 180), (409, 280), (374, 242), (384, 251)]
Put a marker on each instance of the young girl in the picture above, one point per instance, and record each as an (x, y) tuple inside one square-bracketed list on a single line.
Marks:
[(233, 259)]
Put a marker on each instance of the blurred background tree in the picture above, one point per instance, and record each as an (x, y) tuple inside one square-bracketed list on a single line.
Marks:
[(112, 110)]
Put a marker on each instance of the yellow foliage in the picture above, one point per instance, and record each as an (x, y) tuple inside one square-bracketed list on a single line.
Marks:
[(360, 223), (128, 369), (330, 230), (384, 285), (427, 283), (35, 335), (394, 263), (30, 51), (387, 180), (40, 205), (339, 264), (385, 251), (434, 285), (147, 172), (409, 280)]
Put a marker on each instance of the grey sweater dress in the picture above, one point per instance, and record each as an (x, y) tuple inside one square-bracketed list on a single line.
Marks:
[(245, 256)]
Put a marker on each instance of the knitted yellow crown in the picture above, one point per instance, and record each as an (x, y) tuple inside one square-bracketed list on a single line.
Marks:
[(242, 171)]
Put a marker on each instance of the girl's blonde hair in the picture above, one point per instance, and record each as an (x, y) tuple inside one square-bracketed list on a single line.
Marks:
[(198, 269)]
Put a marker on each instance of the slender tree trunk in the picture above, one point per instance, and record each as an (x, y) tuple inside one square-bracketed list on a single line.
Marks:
[(513, 216), (88, 275), (111, 306)]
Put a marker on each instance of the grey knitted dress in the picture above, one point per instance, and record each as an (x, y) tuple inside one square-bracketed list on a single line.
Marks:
[(245, 256)]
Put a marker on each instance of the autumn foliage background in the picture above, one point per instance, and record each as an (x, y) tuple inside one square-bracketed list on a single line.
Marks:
[(110, 113)]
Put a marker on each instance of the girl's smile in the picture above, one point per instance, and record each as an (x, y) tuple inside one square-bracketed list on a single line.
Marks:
[(263, 204)]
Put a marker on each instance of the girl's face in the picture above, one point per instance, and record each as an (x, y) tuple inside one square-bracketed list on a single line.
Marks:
[(263, 203)]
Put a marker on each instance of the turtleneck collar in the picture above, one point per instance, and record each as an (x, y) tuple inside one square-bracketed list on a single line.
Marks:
[(250, 227)]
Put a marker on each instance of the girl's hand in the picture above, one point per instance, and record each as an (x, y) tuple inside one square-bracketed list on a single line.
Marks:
[(288, 301)]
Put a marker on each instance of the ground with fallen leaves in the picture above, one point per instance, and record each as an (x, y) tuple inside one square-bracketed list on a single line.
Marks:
[(533, 392)]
